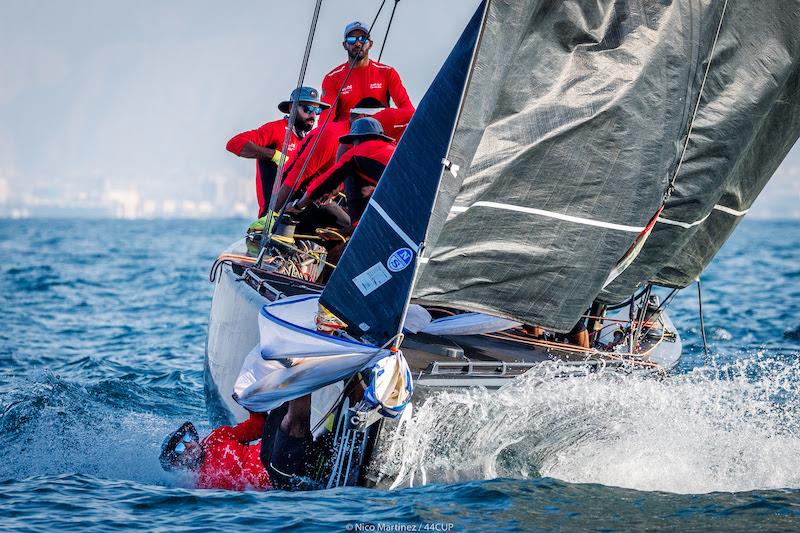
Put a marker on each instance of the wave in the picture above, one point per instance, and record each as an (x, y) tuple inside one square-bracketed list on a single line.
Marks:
[(730, 428), (110, 428)]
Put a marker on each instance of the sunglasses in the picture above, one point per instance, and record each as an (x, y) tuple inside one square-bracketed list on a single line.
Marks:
[(353, 40), (311, 109), (181, 446)]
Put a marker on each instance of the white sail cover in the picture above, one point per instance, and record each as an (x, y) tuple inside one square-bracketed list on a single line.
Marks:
[(288, 332)]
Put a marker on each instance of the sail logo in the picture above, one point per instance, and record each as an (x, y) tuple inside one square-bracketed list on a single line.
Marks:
[(400, 259)]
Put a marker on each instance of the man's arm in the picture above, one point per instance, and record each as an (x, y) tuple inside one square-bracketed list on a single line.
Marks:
[(253, 151), (327, 182), (250, 429), (398, 92), (253, 144)]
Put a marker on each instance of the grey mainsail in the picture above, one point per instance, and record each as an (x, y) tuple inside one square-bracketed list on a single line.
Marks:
[(574, 115), (747, 120)]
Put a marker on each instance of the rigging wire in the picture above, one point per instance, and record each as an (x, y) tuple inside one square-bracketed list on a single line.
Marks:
[(316, 138), (702, 324), (697, 104), (389, 27), (267, 232)]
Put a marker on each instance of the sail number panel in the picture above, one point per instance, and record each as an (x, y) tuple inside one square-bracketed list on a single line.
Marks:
[(372, 278)]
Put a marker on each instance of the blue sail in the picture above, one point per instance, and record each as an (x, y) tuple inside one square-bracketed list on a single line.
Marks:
[(369, 288)]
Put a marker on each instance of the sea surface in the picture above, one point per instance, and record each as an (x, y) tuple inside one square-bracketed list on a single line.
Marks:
[(102, 332)]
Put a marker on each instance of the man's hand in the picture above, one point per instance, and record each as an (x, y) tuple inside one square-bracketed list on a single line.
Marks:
[(293, 208), (277, 158)]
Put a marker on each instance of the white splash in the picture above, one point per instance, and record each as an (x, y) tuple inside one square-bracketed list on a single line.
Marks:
[(730, 429)]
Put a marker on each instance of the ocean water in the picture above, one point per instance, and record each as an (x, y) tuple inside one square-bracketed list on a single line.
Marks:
[(102, 334)]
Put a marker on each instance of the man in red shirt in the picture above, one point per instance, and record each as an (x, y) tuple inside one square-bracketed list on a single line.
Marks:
[(225, 459), (264, 144), (327, 147), (360, 168), (367, 78)]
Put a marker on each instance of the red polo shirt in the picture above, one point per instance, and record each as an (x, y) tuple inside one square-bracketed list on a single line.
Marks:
[(376, 80), (230, 462), (270, 135)]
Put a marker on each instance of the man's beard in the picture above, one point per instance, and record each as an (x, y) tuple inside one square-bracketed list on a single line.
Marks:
[(303, 125), (356, 54)]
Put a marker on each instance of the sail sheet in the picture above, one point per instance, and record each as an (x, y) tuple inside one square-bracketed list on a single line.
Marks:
[(571, 128), (747, 119), (369, 288)]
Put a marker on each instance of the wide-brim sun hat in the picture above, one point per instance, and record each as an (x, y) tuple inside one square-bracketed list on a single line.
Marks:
[(307, 95), (365, 128)]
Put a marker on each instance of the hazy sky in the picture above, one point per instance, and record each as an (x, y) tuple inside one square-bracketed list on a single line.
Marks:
[(148, 92)]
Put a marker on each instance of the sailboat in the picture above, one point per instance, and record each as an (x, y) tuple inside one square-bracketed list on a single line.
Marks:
[(567, 158)]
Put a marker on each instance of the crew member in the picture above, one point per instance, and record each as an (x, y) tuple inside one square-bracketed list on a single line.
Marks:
[(367, 78), (360, 169), (226, 459), (264, 144), (327, 148)]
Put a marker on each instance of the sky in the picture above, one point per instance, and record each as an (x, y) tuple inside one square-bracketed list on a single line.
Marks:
[(146, 94)]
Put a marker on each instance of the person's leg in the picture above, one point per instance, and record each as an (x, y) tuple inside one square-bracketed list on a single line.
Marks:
[(329, 215), (297, 421), (358, 192), (287, 461)]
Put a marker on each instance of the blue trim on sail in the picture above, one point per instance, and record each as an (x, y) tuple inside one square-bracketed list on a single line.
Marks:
[(335, 340), (406, 194)]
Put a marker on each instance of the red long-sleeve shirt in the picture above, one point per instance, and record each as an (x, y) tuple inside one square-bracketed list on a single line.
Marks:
[(323, 157), (376, 80), (394, 120), (231, 463), (269, 135), (367, 161)]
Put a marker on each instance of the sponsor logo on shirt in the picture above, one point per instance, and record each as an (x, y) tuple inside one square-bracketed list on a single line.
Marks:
[(347, 89), (291, 147), (377, 85)]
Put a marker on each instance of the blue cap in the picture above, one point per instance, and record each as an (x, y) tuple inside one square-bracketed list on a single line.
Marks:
[(365, 128), (308, 95), (353, 26)]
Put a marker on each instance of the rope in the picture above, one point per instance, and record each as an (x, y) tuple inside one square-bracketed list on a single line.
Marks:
[(702, 324), (389, 27), (697, 104), (321, 129), (292, 116)]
